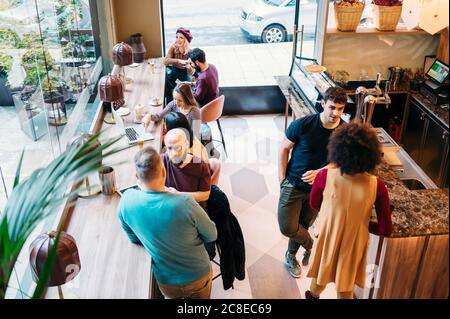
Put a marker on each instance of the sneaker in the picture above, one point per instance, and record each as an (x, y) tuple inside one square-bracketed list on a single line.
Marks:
[(292, 265), (308, 295), (306, 255)]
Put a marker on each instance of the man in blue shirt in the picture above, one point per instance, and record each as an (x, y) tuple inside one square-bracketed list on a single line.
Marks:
[(173, 229), (307, 137)]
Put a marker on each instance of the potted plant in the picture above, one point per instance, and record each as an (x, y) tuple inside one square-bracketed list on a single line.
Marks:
[(41, 195), (6, 62), (37, 62), (386, 14), (347, 14)]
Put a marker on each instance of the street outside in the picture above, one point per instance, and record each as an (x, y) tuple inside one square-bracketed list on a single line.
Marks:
[(218, 23), (215, 27)]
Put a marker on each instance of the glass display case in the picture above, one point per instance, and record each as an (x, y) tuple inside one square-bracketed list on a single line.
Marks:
[(310, 85), (32, 118)]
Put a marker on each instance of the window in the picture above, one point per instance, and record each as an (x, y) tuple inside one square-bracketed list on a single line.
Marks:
[(48, 74), (248, 41)]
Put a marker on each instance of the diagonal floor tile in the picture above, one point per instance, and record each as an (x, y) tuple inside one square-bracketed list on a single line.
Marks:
[(248, 185), (269, 280)]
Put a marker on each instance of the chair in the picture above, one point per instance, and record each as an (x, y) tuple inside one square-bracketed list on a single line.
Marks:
[(212, 112)]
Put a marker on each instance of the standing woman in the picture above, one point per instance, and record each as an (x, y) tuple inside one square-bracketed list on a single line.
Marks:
[(344, 196), (176, 61)]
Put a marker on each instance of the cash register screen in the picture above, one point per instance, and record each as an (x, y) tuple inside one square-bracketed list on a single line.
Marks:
[(438, 71)]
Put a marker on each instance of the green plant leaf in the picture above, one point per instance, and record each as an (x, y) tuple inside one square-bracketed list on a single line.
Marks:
[(19, 168), (43, 193)]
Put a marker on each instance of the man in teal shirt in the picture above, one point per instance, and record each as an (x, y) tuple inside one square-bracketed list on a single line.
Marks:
[(173, 229)]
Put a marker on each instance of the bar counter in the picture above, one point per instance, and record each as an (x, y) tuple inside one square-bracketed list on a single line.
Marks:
[(111, 266)]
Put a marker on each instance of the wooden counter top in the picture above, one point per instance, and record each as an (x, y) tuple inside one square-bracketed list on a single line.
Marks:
[(111, 266)]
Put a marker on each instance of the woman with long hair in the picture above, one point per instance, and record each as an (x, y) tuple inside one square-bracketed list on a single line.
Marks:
[(176, 61), (183, 102), (344, 195)]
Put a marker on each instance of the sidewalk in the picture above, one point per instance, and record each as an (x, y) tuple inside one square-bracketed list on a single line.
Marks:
[(252, 64)]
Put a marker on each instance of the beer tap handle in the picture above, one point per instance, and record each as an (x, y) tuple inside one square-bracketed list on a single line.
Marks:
[(387, 99), (378, 79)]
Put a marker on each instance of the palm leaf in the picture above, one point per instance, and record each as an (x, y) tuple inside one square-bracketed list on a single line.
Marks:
[(42, 194), (19, 168)]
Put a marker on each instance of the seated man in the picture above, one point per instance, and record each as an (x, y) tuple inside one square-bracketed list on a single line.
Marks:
[(173, 228), (186, 173), (207, 83)]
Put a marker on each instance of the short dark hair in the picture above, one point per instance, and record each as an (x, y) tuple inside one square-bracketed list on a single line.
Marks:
[(147, 162), (179, 120), (335, 94), (355, 148), (197, 55)]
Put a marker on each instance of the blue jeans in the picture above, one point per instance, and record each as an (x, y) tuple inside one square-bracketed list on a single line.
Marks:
[(295, 216), (172, 74)]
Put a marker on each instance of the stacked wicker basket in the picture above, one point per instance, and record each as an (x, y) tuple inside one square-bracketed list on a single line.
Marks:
[(348, 13)]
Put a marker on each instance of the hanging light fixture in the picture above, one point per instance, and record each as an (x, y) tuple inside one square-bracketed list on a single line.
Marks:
[(122, 56), (67, 264), (111, 89)]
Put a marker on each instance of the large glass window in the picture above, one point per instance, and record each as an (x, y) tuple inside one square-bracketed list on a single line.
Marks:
[(48, 71), (249, 41)]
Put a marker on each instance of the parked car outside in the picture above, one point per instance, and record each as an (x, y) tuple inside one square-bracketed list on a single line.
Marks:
[(272, 21), (269, 21)]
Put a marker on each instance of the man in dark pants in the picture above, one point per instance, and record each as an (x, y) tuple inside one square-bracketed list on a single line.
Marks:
[(307, 137)]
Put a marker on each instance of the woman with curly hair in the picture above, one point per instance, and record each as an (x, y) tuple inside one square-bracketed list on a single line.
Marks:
[(344, 194)]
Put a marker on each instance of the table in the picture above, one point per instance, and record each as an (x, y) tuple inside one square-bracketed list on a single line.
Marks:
[(111, 266)]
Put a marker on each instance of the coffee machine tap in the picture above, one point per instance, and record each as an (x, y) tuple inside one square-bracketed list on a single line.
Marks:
[(367, 98)]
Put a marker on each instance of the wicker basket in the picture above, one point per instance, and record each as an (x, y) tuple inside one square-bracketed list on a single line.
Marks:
[(347, 18), (385, 18)]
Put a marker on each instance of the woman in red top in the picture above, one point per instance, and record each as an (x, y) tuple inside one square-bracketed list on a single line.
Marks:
[(344, 194)]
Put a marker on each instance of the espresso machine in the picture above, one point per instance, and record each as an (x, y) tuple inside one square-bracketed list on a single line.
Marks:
[(366, 98)]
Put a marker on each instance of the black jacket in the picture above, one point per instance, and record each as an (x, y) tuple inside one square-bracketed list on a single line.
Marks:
[(229, 238)]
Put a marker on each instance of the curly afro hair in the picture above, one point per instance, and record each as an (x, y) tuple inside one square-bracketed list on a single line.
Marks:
[(355, 148)]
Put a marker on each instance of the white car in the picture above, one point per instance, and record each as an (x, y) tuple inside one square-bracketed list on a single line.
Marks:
[(272, 21), (269, 21)]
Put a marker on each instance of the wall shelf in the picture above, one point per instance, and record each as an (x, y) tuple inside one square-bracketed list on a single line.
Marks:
[(400, 30)]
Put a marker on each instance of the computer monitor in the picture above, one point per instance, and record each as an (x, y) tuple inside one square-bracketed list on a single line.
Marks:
[(438, 72)]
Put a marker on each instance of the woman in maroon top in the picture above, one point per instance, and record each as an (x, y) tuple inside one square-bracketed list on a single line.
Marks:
[(344, 194)]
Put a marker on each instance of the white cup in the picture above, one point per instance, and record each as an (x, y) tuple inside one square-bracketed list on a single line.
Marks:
[(138, 113)]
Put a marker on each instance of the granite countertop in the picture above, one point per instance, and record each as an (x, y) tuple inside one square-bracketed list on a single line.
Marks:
[(440, 113), (416, 212)]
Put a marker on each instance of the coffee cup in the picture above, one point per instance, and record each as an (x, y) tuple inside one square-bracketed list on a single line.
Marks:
[(138, 113), (155, 101), (107, 180)]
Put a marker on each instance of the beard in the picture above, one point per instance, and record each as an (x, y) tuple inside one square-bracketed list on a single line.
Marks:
[(178, 160)]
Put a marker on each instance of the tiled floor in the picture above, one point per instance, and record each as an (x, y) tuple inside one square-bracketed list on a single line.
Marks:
[(249, 178)]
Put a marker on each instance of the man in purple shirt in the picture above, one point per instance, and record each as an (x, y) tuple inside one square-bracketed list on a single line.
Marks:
[(186, 173), (207, 84)]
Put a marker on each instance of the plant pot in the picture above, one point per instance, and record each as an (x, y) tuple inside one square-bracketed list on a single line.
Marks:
[(385, 18), (139, 50), (347, 18), (5, 93)]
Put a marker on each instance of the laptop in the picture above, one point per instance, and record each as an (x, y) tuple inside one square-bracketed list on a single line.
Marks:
[(135, 133)]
